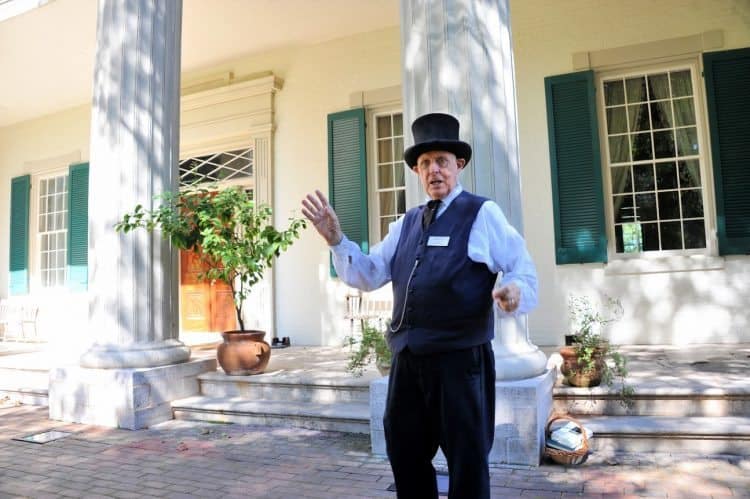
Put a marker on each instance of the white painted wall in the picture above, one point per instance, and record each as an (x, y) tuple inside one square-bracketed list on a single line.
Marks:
[(660, 307)]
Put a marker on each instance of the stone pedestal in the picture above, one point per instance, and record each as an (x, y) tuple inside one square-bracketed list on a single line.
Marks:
[(122, 398), (522, 408)]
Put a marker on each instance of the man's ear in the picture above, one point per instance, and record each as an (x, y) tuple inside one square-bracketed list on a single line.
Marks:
[(414, 169), (460, 162)]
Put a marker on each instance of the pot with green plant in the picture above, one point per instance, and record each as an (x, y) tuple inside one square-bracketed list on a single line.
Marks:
[(371, 348), (592, 360), (236, 240)]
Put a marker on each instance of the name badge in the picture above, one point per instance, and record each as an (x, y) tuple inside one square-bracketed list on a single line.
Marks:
[(438, 241)]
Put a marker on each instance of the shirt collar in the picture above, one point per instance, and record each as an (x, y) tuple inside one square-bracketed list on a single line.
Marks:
[(447, 200)]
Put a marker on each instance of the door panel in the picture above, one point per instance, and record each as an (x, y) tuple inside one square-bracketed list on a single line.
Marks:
[(203, 306)]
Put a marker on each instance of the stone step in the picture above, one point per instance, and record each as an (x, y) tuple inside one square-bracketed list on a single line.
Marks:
[(349, 417), (270, 387), (656, 399), (24, 386), (693, 435)]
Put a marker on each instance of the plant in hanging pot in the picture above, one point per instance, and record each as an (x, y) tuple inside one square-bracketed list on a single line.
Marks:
[(236, 240), (590, 359)]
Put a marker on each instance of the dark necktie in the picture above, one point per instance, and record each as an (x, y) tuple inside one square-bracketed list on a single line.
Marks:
[(428, 214)]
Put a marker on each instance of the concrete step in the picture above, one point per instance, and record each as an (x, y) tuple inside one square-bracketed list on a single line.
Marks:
[(24, 386), (281, 388), (350, 417), (704, 435), (657, 398)]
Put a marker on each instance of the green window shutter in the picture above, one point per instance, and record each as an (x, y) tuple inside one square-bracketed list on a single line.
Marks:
[(580, 232), (727, 77), (20, 191), (347, 174), (78, 226)]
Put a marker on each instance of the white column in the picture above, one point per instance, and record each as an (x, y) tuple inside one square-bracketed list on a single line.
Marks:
[(457, 58), (134, 153)]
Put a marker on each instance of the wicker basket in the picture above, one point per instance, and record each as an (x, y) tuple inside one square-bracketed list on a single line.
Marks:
[(563, 456)]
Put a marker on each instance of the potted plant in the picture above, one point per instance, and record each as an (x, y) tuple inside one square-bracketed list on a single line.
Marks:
[(591, 359), (237, 241), (371, 347)]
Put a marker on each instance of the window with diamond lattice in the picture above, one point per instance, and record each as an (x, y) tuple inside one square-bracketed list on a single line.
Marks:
[(218, 167)]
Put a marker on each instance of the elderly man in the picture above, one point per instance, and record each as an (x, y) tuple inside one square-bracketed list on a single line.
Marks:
[(443, 259)]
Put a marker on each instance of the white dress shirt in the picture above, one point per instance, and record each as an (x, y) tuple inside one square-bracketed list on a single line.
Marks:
[(492, 241)]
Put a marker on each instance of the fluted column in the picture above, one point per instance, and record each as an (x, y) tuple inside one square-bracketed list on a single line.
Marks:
[(134, 153), (457, 58)]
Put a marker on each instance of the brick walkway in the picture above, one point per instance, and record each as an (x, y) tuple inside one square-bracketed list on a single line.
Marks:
[(186, 460)]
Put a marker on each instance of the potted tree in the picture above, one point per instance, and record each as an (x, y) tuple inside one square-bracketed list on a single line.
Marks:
[(237, 241), (590, 359)]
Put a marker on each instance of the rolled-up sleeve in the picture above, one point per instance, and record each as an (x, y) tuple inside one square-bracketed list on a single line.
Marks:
[(498, 244)]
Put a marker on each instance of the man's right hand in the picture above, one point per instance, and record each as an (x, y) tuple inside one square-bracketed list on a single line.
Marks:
[(322, 216)]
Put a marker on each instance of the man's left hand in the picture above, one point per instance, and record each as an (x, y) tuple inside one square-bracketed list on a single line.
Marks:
[(507, 297)]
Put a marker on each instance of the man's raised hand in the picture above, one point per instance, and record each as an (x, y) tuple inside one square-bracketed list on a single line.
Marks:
[(324, 219)]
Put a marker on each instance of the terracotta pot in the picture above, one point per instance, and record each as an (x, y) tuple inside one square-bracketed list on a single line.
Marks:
[(574, 373), (243, 352)]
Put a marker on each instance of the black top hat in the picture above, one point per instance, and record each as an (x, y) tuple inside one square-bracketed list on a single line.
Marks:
[(436, 132)]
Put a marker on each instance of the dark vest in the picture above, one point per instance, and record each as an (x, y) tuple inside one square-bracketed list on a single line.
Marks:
[(448, 303)]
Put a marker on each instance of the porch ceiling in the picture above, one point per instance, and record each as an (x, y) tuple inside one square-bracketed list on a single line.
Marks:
[(47, 54)]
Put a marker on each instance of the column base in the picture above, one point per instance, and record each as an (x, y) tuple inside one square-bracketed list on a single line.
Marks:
[(521, 411), (122, 398), (116, 356)]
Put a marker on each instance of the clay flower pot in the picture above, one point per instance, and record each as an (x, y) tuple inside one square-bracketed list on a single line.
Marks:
[(243, 352), (574, 372)]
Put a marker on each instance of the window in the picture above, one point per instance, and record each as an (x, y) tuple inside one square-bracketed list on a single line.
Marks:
[(49, 230), (52, 230), (388, 170), (219, 167), (653, 160), (652, 153)]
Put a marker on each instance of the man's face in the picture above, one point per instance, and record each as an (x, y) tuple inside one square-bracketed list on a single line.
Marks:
[(438, 171)]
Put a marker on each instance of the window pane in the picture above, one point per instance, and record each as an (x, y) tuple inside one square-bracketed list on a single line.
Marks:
[(692, 204), (638, 118), (384, 126), (687, 141), (399, 175), (384, 150), (650, 234), (42, 188), (690, 173), (622, 207), (695, 234), (387, 203), (681, 84), (645, 207), (617, 121), (384, 222), (636, 89), (398, 148), (641, 146), (45, 261), (398, 126), (629, 238), (614, 93), (664, 144), (60, 260), (684, 112), (669, 205), (619, 149), (385, 176), (661, 114), (666, 176), (658, 86), (622, 181), (401, 201), (671, 235), (643, 177)]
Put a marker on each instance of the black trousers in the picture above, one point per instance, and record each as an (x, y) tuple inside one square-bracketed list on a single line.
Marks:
[(444, 400)]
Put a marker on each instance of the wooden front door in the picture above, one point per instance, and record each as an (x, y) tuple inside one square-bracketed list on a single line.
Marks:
[(204, 306)]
